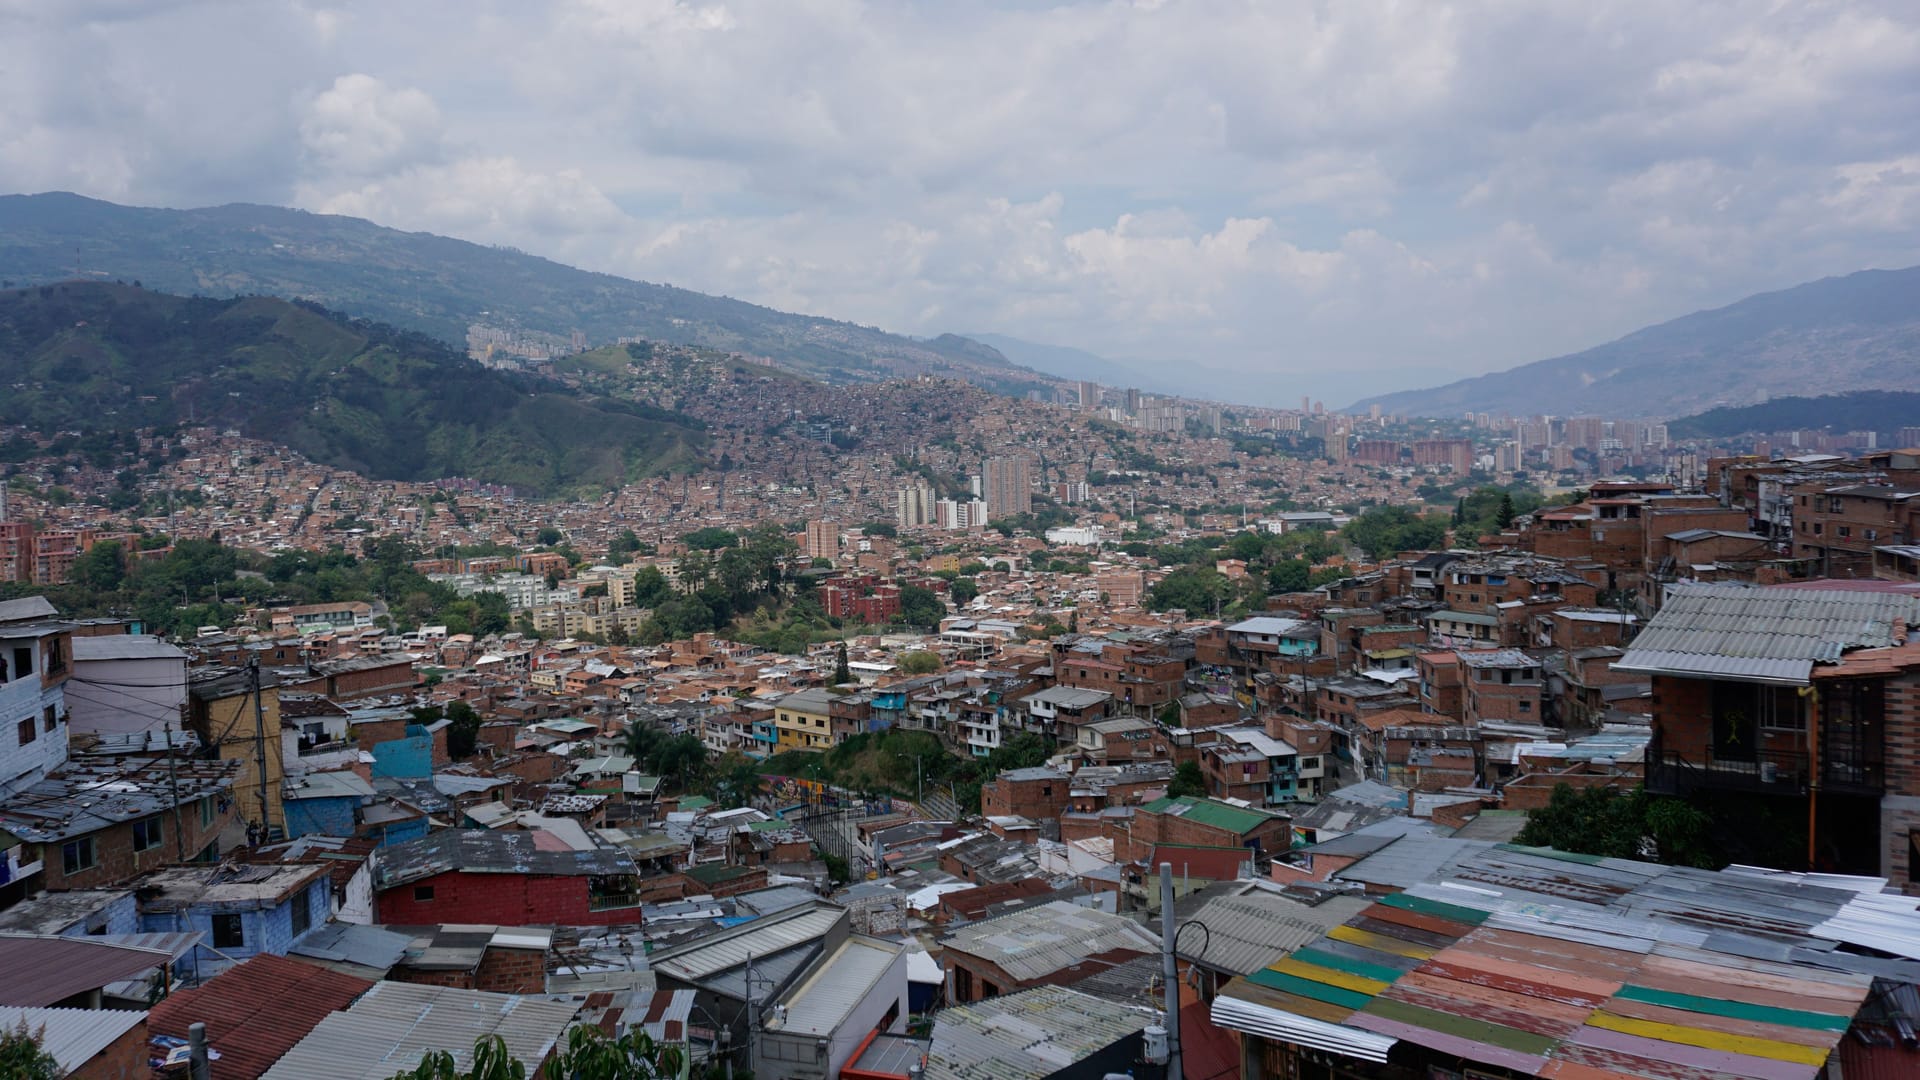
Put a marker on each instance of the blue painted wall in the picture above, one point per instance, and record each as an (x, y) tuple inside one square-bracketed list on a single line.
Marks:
[(322, 817), (399, 832), (409, 758), (265, 928)]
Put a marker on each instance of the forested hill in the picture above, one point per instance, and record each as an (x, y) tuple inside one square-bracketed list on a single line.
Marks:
[(1885, 412), (438, 285), (1858, 332), (390, 404)]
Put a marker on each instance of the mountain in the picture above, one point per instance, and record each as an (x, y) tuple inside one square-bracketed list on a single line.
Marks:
[(1882, 411), (1858, 332), (393, 405), (1066, 362), (439, 286)]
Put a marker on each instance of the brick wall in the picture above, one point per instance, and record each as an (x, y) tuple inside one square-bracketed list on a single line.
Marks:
[(1036, 799), (512, 971), (1683, 715), (115, 861), (499, 900), (123, 1059)]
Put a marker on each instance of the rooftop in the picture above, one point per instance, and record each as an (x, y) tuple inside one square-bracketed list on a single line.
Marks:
[(1773, 635), (823, 1001), (394, 1025), (1236, 819), (45, 970), (86, 797), (256, 1011), (127, 647), (1029, 1035), (71, 1036), (490, 851), (1035, 942)]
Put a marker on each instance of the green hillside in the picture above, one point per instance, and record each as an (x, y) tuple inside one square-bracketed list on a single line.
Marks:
[(386, 403), (438, 286), (1883, 411)]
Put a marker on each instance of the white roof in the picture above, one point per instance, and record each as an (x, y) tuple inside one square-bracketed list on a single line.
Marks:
[(126, 647), (72, 1036), (820, 1004)]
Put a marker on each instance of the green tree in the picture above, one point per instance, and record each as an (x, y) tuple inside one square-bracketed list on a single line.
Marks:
[(1388, 530), (710, 538), (24, 1057), (1504, 516), (1622, 825), (842, 673), (921, 606), (1188, 780), (547, 536), (919, 662), (101, 568), (463, 734), (1194, 589), (963, 590), (589, 1054), (1289, 576)]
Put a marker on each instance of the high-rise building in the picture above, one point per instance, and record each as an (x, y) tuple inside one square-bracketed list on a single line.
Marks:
[(914, 506), (1089, 395), (953, 514), (1007, 486), (823, 539)]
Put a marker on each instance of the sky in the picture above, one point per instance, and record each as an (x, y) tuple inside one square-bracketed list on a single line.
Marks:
[(1273, 198)]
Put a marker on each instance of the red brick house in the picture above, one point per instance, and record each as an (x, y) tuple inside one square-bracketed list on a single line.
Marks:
[(503, 878)]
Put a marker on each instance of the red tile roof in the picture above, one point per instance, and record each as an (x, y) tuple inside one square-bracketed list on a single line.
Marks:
[(257, 1010)]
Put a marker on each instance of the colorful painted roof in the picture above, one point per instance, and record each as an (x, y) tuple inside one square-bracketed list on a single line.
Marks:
[(1556, 990)]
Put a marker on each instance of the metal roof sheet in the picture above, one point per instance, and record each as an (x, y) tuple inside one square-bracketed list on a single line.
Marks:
[(1027, 1036), (71, 1036), (45, 970), (821, 1003), (394, 1025), (1034, 942), (1766, 635), (257, 1010), (758, 939)]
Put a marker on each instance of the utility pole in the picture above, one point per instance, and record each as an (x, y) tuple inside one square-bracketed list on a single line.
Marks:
[(173, 785), (1170, 970), (259, 741)]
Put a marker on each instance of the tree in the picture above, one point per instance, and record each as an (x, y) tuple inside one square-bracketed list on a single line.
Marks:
[(547, 536), (1188, 780), (589, 1054), (842, 673), (963, 590), (1387, 530), (921, 606), (710, 538), (1289, 576), (102, 568), (1504, 516), (1196, 589), (23, 1057), (1622, 825), (463, 734), (919, 662)]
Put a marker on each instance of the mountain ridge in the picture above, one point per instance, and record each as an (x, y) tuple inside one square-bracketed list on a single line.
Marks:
[(387, 403), (1858, 331), (439, 285)]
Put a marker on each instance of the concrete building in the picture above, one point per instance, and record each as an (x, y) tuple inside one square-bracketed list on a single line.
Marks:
[(125, 683), (1007, 486)]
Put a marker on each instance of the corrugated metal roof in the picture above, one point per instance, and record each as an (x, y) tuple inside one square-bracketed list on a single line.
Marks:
[(819, 1005), (256, 1011), (1765, 635), (1027, 1036), (72, 1036), (760, 938), (44, 970), (395, 1024), (1035, 942), (1242, 930)]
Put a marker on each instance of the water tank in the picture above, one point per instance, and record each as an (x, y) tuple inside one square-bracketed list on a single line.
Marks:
[(1155, 1037)]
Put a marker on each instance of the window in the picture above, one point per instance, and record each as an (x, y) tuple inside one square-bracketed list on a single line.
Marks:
[(147, 834), (1833, 506), (22, 663), (302, 914), (206, 812), (49, 718), (26, 731), (229, 932), (422, 894), (56, 655), (1526, 706), (76, 856), (1845, 530)]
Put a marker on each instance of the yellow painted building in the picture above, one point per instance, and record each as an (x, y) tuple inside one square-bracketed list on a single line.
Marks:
[(221, 711), (803, 721)]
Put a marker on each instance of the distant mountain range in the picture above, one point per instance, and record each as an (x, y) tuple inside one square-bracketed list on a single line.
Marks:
[(1065, 362), (1858, 332), (438, 286), (390, 404), (1882, 411)]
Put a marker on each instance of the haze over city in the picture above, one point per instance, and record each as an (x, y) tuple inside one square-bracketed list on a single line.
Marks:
[(1335, 199)]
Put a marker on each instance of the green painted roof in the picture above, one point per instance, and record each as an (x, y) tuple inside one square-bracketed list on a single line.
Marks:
[(715, 873), (695, 802), (1236, 819)]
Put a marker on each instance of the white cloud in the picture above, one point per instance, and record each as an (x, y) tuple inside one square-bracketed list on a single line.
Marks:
[(1287, 191)]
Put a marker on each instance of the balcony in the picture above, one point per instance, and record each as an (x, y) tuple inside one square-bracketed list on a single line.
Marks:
[(1768, 772)]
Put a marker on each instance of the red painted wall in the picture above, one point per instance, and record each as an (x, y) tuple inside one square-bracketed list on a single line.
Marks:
[(499, 900)]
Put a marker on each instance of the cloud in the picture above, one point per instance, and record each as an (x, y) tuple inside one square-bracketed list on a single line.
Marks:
[(360, 126), (1312, 195)]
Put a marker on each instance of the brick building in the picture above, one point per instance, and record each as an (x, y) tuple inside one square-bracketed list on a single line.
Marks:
[(1813, 705), (503, 878), (1188, 821), (1038, 793), (1838, 527)]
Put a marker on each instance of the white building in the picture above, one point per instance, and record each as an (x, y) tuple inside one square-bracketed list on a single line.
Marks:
[(125, 683)]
